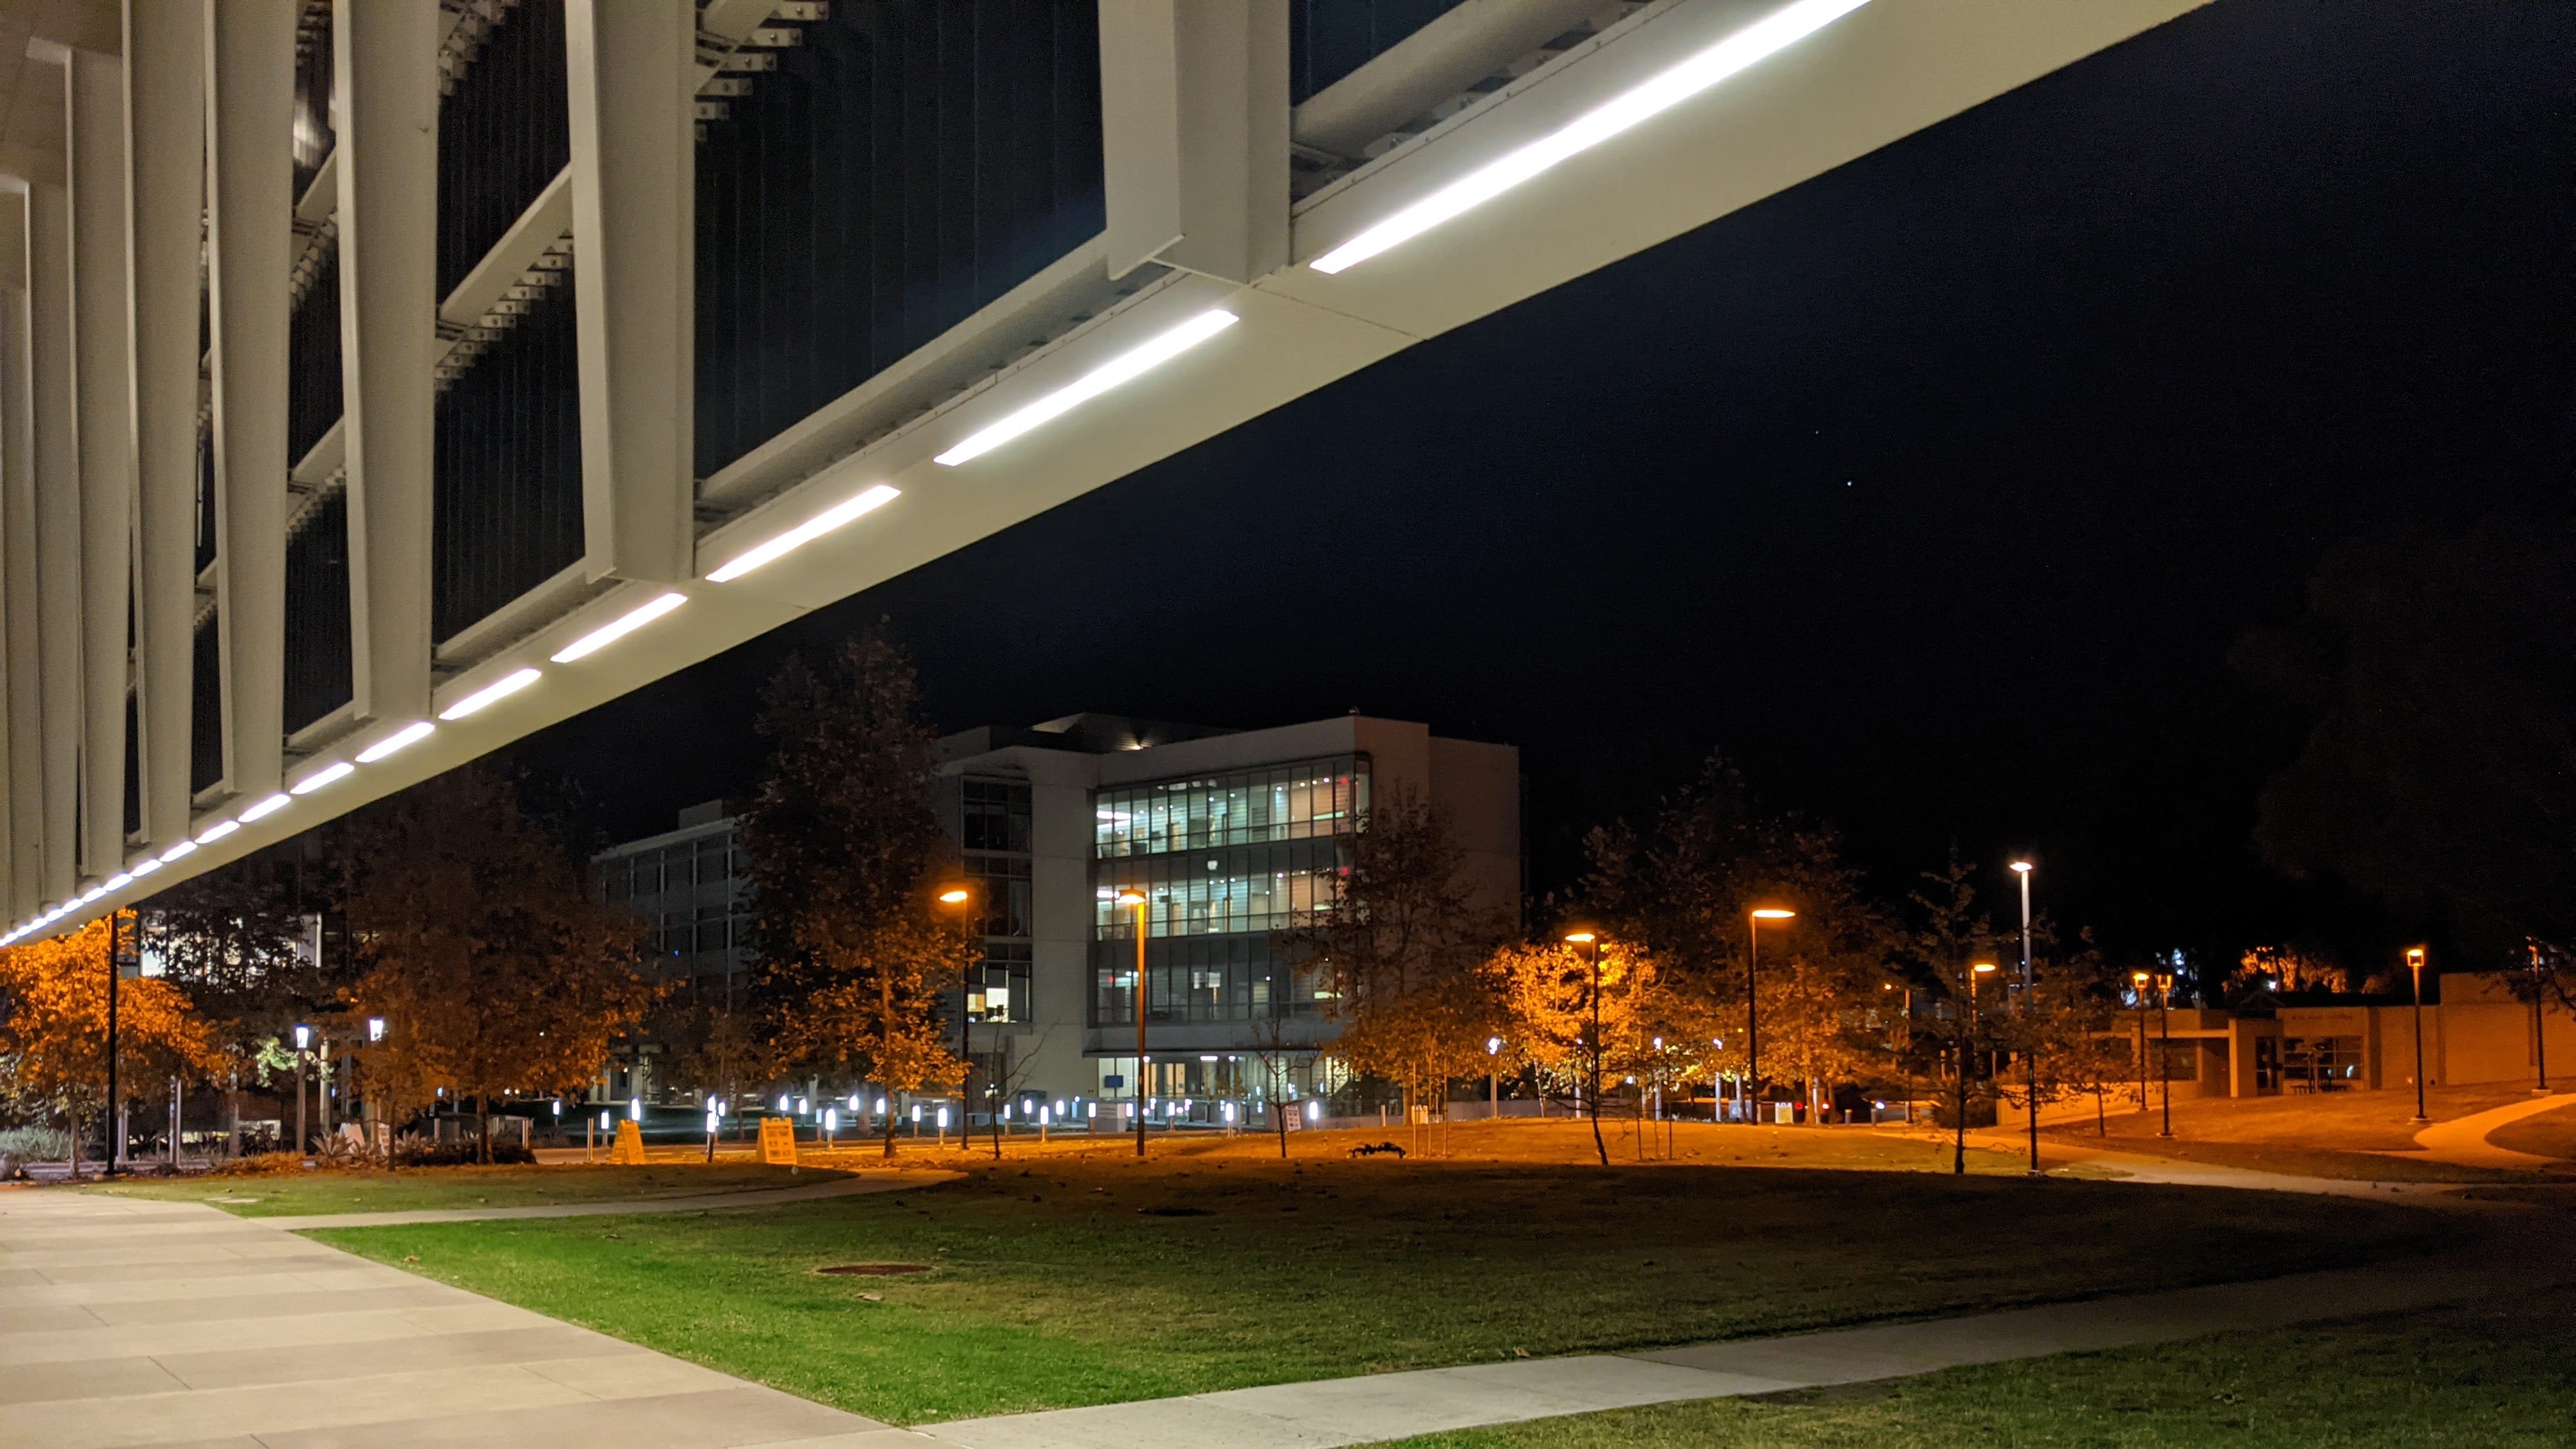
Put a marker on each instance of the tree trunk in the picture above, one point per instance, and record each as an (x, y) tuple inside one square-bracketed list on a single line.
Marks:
[(71, 1118), (885, 1122), (1599, 1148), (2101, 1123), (1959, 1120), (1279, 1114)]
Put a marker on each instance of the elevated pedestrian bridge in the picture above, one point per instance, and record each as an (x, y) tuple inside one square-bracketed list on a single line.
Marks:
[(385, 380)]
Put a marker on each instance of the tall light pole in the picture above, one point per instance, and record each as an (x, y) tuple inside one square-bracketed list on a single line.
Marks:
[(2030, 1045), (2140, 979), (1137, 899), (1589, 941), (955, 899), (2539, 1026), (2415, 967), (1752, 1016), (2164, 1048), (303, 1041)]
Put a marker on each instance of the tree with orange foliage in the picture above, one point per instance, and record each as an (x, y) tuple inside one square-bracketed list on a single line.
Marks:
[(1588, 1014), (493, 968), (53, 1027)]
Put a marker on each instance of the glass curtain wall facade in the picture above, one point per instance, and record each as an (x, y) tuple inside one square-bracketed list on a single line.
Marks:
[(1225, 863), (994, 823)]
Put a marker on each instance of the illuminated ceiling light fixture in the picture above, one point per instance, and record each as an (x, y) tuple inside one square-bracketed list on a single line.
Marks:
[(616, 629), (1124, 367), (263, 809), (93, 893), (321, 777), (118, 881), (806, 532), (147, 865), (178, 850), (503, 688), (213, 833), (409, 734), (1659, 93)]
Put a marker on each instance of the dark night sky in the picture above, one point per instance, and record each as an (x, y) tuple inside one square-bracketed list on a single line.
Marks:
[(1934, 491)]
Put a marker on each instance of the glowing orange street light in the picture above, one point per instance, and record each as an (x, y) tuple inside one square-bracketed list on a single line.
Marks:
[(1137, 899), (1579, 938), (955, 896)]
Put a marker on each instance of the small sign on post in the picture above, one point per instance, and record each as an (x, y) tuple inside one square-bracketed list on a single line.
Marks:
[(777, 1142), (629, 1151)]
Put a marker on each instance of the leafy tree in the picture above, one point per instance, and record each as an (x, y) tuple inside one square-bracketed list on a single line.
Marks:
[(845, 855), (1398, 948), (53, 1027), (494, 969), (1967, 1018), (1585, 1014), (2436, 681), (233, 939), (1685, 889), (2066, 1028)]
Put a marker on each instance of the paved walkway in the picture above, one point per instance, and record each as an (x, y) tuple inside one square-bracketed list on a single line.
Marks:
[(1336, 1412), (2463, 1140), (131, 1322), (693, 1203)]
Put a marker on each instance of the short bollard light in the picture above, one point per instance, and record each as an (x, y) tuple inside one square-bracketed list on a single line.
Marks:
[(634, 1109)]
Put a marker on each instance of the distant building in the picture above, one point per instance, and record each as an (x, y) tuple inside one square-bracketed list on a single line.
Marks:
[(1234, 836), (692, 886)]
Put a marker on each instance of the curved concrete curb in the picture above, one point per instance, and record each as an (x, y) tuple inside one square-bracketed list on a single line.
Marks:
[(2462, 1141)]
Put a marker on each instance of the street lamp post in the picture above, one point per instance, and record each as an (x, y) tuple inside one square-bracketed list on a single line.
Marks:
[(2139, 979), (1752, 1016), (1493, 1079), (956, 898), (2415, 967), (2539, 1027), (303, 1040), (1590, 941), (2030, 1045), (2164, 1048), (1137, 899)]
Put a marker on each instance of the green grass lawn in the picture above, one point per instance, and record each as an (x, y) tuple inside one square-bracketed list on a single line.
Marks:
[(2500, 1375), (1061, 1281), (287, 1194)]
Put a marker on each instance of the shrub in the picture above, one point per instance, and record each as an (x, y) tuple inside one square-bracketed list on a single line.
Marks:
[(36, 1144), (462, 1152)]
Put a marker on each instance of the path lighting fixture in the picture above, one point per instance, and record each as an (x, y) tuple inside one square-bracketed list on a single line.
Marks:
[(328, 774), (1125, 367), (619, 627), (1144, 921), (604, 1119), (2029, 1058), (376, 1032), (1752, 1013), (409, 734), (303, 1037), (1657, 94), (490, 694), (264, 809), (782, 1106), (635, 1109), (805, 533), (954, 896), (2415, 968)]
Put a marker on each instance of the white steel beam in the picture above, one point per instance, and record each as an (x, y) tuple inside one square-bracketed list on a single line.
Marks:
[(103, 413), (386, 59), (1194, 135), (165, 77), (250, 101), (58, 527), (632, 72), (25, 700)]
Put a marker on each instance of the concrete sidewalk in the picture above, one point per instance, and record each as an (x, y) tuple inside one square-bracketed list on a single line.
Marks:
[(131, 1322), (2463, 1140), (1335, 1412)]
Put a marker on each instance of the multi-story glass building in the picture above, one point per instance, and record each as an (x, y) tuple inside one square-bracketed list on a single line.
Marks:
[(1233, 837)]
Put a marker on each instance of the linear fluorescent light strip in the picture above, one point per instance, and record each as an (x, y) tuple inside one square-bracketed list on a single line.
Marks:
[(147, 865), (213, 833), (324, 776), (618, 628), (503, 688), (178, 850), (1126, 366), (264, 809), (1669, 88), (407, 735), (805, 533)]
